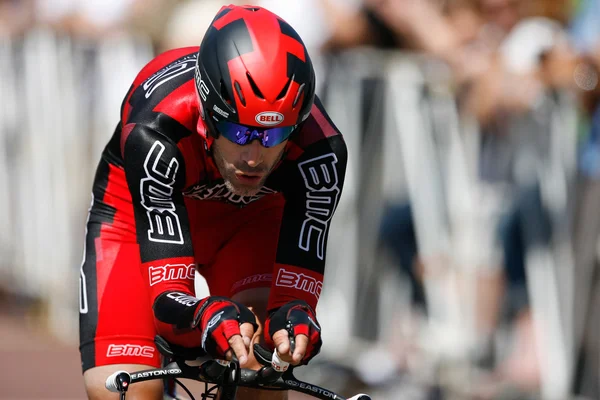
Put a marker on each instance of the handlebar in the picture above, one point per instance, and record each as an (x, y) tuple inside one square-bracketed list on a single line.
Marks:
[(274, 375)]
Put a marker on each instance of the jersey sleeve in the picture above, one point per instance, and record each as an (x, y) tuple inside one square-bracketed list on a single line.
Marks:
[(313, 188), (155, 172)]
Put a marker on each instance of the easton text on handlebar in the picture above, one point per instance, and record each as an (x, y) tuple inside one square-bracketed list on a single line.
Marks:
[(224, 374)]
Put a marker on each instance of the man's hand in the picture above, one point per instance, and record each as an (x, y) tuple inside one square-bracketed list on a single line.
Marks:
[(281, 341), (294, 331), (227, 328)]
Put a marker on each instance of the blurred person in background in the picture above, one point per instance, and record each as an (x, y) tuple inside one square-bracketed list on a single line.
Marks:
[(513, 102), (412, 26), (440, 29), (175, 194), (496, 49)]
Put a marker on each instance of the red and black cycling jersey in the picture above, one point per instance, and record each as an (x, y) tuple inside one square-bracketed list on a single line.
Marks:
[(156, 163)]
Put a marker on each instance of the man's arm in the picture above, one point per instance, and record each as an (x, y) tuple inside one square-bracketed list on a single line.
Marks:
[(313, 187), (314, 182), (155, 173)]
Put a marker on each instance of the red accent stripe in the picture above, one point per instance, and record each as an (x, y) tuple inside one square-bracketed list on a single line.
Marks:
[(327, 129), (117, 238), (293, 151), (124, 135), (316, 128), (117, 195), (293, 46), (127, 107), (227, 18), (182, 105)]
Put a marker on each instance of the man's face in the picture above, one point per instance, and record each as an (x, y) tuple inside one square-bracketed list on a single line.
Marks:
[(245, 168)]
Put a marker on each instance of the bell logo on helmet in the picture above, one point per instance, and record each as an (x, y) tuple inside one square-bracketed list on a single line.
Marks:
[(269, 118)]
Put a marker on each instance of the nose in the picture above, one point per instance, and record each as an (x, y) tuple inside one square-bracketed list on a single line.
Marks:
[(252, 154)]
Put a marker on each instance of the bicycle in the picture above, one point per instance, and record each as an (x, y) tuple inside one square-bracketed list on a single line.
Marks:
[(225, 376)]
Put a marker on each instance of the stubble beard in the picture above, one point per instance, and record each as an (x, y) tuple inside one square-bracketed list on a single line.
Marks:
[(227, 171), (240, 189)]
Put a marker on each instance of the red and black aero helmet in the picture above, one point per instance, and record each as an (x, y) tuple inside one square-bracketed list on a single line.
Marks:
[(253, 71)]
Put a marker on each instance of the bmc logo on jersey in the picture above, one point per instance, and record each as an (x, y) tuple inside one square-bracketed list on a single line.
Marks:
[(299, 281), (171, 272), (252, 279), (116, 350), (269, 118), (156, 191), (322, 194)]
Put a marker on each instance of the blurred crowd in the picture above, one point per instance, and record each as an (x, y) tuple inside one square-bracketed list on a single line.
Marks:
[(466, 254)]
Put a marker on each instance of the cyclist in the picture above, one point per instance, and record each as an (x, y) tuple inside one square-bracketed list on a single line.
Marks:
[(176, 191)]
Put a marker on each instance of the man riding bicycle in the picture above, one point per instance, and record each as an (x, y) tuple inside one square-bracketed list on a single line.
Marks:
[(176, 191)]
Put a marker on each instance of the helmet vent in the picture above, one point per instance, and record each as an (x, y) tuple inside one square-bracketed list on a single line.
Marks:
[(255, 88), (252, 8), (238, 89), (284, 90), (300, 91)]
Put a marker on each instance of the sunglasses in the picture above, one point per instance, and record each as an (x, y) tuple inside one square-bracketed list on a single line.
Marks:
[(242, 134)]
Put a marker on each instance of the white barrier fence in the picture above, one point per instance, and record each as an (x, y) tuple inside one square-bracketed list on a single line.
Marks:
[(60, 102)]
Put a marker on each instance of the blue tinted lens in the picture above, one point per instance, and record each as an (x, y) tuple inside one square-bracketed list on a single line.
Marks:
[(241, 134)]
